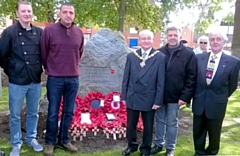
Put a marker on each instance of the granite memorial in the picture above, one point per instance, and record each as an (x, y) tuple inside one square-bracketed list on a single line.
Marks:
[(103, 62)]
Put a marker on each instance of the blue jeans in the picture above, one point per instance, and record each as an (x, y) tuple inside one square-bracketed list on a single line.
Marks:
[(17, 93), (58, 87), (167, 125)]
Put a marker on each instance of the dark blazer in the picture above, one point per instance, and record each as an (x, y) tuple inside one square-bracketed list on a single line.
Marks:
[(213, 98), (143, 87)]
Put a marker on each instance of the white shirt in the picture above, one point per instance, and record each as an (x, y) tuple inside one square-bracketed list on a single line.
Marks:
[(148, 51), (217, 60)]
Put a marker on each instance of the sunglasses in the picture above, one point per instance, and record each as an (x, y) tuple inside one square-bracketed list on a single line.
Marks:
[(203, 42)]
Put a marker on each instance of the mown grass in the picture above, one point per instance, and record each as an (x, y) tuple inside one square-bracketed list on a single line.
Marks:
[(230, 138), (4, 98)]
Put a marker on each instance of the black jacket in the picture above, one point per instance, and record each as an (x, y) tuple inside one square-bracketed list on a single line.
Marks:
[(20, 54), (180, 74)]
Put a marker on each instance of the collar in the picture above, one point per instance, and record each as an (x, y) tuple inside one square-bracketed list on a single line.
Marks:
[(59, 22), (26, 29), (218, 54), (179, 47), (148, 51)]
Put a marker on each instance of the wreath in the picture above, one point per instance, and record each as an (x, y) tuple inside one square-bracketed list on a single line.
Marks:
[(115, 107), (89, 98)]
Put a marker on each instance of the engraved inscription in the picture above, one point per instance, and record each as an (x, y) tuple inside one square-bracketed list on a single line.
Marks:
[(95, 76)]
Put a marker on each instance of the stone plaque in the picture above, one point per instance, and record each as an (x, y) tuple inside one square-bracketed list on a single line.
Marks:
[(100, 79), (97, 76)]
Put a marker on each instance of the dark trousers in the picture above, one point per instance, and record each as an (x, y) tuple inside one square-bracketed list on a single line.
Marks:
[(132, 120), (58, 87), (201, 126)]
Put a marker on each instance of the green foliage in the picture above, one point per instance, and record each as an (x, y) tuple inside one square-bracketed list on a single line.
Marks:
[(138, 13), (229, 18), (103, 13), (206, 16)]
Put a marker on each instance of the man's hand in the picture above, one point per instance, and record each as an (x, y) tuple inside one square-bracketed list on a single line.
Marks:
[(181, 102), (155, 107), (124, 102)]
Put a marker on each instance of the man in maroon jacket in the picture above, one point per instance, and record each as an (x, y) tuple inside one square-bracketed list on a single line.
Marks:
[(61, 50)]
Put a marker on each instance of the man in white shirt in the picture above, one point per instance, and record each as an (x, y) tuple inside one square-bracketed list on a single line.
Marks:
[(217, 79)]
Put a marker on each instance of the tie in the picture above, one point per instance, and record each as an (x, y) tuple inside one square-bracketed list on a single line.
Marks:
[(144, 54), (210, 69)]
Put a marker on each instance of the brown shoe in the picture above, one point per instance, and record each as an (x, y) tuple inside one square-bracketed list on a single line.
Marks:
[(48, 150), (69, 147)]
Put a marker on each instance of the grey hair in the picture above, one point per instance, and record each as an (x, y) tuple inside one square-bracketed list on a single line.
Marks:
[(146, 32), (202, 38), (224, 36), (173, 28)]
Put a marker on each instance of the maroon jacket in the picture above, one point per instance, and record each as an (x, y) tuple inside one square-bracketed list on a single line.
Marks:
[(61, 50)]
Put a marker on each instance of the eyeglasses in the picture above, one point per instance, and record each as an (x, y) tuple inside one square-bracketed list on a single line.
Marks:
[(203, 42)]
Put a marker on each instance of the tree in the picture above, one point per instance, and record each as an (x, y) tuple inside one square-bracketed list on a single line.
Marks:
[(236, 31), (121, 14), (206, 17), (114, 14), (44, 10)]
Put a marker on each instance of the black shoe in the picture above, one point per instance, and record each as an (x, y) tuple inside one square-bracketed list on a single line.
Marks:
[(189, 105), (128, 151), (169, 152), (156, 149)]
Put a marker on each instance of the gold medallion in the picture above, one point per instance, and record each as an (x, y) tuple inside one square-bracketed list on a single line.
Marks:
[(142, 64)]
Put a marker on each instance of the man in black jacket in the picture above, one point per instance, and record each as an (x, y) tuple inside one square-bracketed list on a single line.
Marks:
[(20, 50), (180, 80)]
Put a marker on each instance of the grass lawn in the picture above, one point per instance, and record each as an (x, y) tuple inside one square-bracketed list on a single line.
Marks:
[(4, 98), (230, 138)]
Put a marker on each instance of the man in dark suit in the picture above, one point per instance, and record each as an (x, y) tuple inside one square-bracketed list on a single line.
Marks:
[(142, 91), (217, 79)]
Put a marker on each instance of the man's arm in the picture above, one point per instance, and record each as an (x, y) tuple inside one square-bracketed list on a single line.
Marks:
[(81, 47), (126, 76), (44, 47), (160, 82), (190, 79), (5, 48), (233, 80)]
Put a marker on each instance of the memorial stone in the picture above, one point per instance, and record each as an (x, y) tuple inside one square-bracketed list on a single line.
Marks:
[(103, 61)]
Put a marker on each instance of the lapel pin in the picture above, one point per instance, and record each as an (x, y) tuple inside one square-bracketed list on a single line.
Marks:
[(224, 66)]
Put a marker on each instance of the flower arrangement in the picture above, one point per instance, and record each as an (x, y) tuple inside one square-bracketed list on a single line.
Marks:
[(88, 119)]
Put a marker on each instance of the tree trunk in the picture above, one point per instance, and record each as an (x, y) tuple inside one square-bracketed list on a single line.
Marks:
[(236, 31), (50, 14), (121, 12)]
